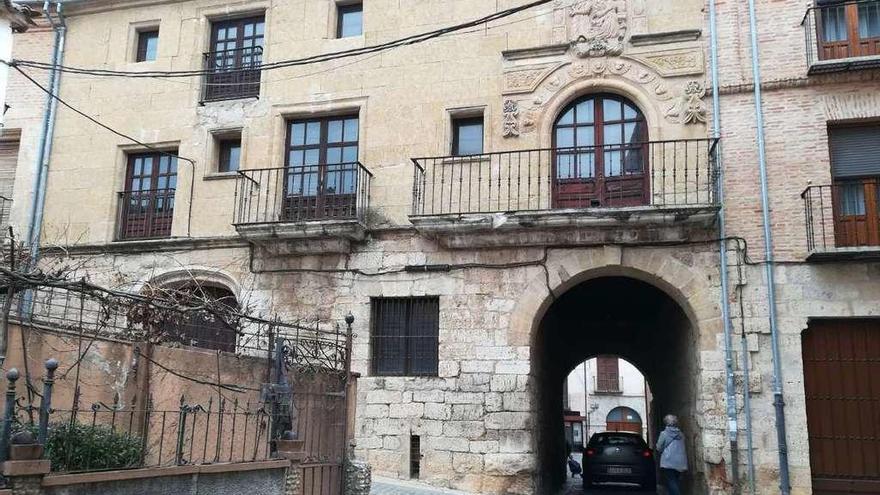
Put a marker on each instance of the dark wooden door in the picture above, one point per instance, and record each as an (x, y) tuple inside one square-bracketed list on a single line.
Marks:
[(322, 169), (236, 45), (147, 204), (856, 212), (841, 370), (600, 155)]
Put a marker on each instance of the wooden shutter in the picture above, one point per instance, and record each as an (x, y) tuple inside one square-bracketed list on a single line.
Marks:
[(8, 163), (855, 151), (607, 373)]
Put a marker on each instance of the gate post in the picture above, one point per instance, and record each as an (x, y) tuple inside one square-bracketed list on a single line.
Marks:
[(46, 401), (11, 377), (181, 432)]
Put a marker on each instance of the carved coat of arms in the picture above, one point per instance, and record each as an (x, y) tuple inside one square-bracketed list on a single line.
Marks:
[(598, 27)]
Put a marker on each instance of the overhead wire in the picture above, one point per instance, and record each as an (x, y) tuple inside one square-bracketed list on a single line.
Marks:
[(381, 47)]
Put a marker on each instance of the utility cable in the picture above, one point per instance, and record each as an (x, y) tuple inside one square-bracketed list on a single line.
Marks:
[(406, 41)]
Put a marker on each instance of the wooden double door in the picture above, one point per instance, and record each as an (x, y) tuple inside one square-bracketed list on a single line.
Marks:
[(600, 154), (848, 29), (842, 386), (856, 212)]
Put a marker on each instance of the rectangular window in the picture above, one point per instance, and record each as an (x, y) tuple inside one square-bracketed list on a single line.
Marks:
[(230, 155), (147, 203), (322, 168), (148, 44), (607, 374), (467, 136), (350, 20), (405, 336), (235, 59)]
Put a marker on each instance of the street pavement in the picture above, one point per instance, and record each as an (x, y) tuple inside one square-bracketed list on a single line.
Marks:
[(385, 486)]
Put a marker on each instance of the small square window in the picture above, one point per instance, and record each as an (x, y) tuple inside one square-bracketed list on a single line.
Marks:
[(148, 44), (405, 335), (350, 20), (467, 136), (230, 155)]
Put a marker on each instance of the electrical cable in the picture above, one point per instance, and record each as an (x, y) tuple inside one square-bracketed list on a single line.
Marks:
[(406, 41)]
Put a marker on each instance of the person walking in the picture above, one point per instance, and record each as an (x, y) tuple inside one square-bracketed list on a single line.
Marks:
[(673, 457)]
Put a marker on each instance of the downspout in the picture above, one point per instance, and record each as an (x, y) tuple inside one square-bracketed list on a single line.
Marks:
[(45, 147), (730, 382), (778, 400)]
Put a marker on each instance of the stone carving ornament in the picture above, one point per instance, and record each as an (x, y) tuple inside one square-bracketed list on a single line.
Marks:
[(598, 27), (690, 108), (511, 118)]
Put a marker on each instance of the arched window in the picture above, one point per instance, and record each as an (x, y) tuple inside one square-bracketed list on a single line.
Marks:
[(215, 330), (624, 419), (600, 144)]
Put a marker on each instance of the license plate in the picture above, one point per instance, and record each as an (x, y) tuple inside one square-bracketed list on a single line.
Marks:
[(620, 470)]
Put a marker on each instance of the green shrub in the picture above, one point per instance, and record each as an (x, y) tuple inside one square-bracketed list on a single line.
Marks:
[(84, 447)]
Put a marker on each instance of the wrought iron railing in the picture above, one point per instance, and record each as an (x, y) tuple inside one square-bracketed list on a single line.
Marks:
[(5, 211), (657, 173), (839, 31), (145, 214), (302, 194), (844, 215), (232, 74)]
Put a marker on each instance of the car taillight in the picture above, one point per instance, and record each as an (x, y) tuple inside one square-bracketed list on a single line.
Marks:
[(591, 452), (647, 453)]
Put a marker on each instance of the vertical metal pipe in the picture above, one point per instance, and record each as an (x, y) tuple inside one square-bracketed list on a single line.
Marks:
[(730, 383), (46, 401), (778, 401)]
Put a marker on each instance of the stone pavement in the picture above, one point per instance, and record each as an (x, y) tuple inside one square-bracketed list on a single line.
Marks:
[(386, 486)]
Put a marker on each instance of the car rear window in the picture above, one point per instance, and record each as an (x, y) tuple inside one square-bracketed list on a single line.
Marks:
[(598, 440)]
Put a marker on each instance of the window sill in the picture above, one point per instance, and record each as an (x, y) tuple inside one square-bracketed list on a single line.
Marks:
[(844, 64), (220, 175)]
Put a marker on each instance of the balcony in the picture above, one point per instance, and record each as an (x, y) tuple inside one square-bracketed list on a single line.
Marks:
[(325, 201), (232, 74), (842, 36), (145, 214), (649, 191), (843, 220)]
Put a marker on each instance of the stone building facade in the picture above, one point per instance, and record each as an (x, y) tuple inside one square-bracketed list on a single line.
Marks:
[(551, 244)]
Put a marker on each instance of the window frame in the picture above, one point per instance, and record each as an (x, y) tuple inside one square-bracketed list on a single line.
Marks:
[(467, 120), (432, 304), (344, 9), (143, 37)]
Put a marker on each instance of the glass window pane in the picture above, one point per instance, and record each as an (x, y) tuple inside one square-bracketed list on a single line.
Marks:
[(350, 21), (221, 34), (565, 166), (148, 165), (312, 157), (567, 117), (834, 23), (852, 199), (261, 28), (869, 20), (135, 184), (611, 110), (613, 163), (629, 112), (173, 168), (297, 134), (296, 158), (313, 133), (470, 138), (586, 111), (334, 155), (146, 183), (586, 136), (172, 182), (163, 164), (351, 130), (633, 162), (162, 182), (586, 165), (138, 166), (248, 29), (632, 132), (232, 32), (613, 134), (334, 131), (565, 137), (350, 154), (233, 156)]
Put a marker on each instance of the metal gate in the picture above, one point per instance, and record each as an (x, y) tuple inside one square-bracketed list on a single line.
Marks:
[(842, 385), (313, 381)]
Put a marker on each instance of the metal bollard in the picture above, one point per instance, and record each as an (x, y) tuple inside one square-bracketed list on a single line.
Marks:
[(46, 402), (11, 376)]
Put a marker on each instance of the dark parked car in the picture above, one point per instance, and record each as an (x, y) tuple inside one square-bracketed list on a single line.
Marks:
[(619, 457)]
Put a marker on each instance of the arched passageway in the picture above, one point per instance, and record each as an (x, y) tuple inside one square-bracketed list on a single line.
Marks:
[(624, 317)]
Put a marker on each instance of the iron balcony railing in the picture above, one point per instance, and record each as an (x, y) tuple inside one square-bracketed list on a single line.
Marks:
[(145, 214), (5, 212), (658, 173), (232, 74), (302, 194), (843, 216), (840, 31)]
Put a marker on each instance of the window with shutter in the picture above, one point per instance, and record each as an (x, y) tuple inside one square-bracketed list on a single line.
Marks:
[(405, 336), (608, 374), (855, 167)]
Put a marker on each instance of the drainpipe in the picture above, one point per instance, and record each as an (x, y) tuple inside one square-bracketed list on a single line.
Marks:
[(45, 147), (778, 400), (730, 383)]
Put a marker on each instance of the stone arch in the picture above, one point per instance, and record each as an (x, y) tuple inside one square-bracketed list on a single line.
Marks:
[(199, 274), (657, 267), (579, 87)]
